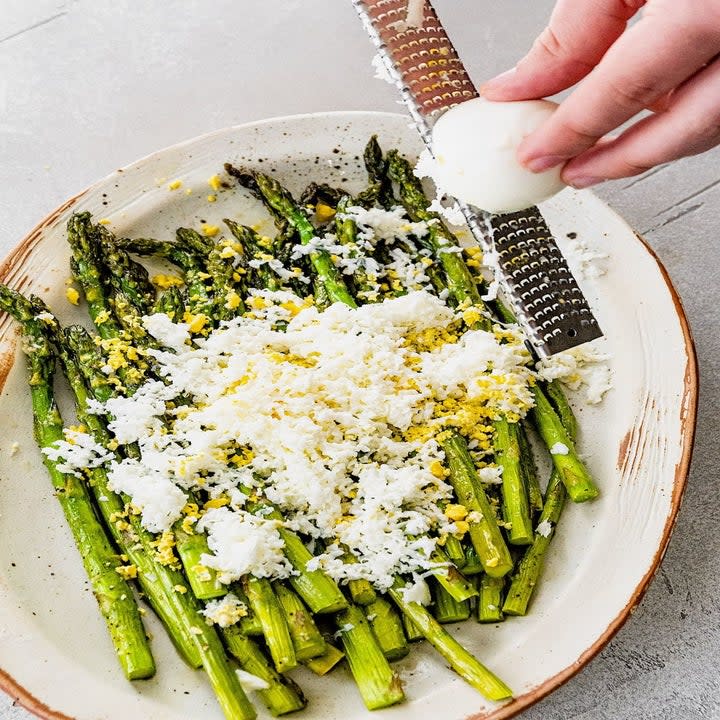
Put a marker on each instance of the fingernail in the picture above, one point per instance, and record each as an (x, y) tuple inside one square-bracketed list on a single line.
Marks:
[(584, 181), (497, 80), (546, 162)]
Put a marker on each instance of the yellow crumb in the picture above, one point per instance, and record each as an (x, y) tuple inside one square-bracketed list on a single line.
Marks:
[(456, 512), (232, 300), (214, 182), (175, 184), (437, 469), (104, 221), (73, 296), (127, 572), (166, 281), (462, 526), (323, 212), (210, 230), (211, 198)]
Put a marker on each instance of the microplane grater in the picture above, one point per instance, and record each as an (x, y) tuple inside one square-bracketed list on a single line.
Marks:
[(534, 275)]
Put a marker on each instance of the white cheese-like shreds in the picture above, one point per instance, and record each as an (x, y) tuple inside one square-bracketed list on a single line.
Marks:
[(545, 528), (381, 69), (160, 500), (251, 682), (226, 611), (78, 451), (491, 475), (559, 449), (451, 213), (242, 543), (418, 592), (584, 260), (385, 223), (583, 368), (331, 416), (166, 332)]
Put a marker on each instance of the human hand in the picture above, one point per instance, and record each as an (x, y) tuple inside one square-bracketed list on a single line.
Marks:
[(665, 62)]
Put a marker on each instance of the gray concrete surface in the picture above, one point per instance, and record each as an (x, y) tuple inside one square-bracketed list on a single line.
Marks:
[(86, 87)]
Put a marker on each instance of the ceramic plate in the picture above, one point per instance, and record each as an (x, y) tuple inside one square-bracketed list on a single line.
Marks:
[(54, 652)]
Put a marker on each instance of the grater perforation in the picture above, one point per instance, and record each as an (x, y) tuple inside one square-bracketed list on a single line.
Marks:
[(533, 273)]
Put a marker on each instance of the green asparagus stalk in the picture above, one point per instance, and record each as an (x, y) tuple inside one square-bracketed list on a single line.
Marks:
[(530, 567), (452, 580), (249, 624), (113, 594), (266, 607), (380, 187), (447, 609), (171, 303), (378, 684), (454, 549), (412, 631), (323, 664), (516, 507), (557, 396), (529, 470), (460, 281), (484, 532), (387, 626), (459, 659), (472, 566), (307, 639), (282, 696), (361, 591), (123, 274), (489, 605), (580, 486)]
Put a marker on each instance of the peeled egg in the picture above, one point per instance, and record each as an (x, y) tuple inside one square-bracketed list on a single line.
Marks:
[(474, 145)]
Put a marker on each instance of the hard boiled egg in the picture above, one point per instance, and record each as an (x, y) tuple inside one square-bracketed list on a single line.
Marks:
[(475, 146)]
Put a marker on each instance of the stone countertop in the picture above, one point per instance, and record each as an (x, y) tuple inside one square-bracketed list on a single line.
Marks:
[(86, 87)]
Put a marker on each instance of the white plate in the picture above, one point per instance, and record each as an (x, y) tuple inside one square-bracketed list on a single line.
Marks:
[(54, 651)]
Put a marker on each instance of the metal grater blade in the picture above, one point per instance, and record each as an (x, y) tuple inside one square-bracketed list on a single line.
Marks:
[(533, 273)]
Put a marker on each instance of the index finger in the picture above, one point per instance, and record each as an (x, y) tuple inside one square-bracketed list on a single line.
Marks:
[(577, 36), (650, 59)]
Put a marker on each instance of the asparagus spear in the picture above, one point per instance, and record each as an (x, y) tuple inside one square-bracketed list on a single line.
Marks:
[(282, 695), (113, 594), (307, 640), (530, 567), (412, 632), (572, 471), (489, 606), (484, 532), (378, 684), (516, 507), (361, 591), (459, 659), (556, 395), (380, 188), (387, 627), (324, 663), (529, 469), (266, 607), (447, 608)]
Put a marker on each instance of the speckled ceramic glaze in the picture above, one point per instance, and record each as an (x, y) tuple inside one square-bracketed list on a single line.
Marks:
[(54, 652)]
